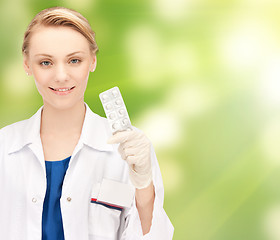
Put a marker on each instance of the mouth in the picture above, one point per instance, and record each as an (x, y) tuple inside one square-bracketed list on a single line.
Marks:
[(62, 89)]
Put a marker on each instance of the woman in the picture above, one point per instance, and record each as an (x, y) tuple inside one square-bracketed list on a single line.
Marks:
[(56, 165)]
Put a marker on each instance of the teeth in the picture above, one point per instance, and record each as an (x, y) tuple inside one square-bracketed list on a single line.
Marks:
[(63, 89)]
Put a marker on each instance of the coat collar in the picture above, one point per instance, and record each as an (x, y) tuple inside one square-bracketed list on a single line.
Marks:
[(95, 132)]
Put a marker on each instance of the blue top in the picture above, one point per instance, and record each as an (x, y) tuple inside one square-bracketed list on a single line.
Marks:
[(52, 227)]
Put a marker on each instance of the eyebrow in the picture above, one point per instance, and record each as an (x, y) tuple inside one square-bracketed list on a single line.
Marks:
[(70, 54)]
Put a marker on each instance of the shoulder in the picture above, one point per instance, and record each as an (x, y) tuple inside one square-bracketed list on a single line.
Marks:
[(96, 122), (10, 131), (22, 131), (8, 134)]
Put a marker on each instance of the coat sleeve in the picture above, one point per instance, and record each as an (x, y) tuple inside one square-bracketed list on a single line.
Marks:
[(161, 228)]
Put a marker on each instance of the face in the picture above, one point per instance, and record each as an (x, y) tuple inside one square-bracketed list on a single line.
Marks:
[(60, 61)]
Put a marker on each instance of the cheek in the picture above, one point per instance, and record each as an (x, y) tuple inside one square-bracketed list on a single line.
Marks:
[(83, 82), (40, 81), (40, 76), (82, 75)]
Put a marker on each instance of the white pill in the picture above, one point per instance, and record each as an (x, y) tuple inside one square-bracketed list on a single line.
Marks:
[(116, 126), (112, 116), (122, 112), (118, 102), (125, 121), (105, 97), (108, 107), (115, 93)]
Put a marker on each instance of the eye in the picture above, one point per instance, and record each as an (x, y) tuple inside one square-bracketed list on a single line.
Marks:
[(45, 63), (75, 61)]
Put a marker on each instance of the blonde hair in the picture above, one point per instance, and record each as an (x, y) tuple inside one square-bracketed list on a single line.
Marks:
[(60, 16)]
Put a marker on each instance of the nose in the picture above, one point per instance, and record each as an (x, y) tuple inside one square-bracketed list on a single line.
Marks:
[(61, 73)]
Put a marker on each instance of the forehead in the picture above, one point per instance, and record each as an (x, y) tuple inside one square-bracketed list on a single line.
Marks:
[(57, 41)]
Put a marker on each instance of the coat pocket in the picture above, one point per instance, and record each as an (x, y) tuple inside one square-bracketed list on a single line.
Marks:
[(104, 221), (104, 218)]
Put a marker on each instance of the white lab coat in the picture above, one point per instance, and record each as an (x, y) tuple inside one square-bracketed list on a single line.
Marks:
[(23, 186)]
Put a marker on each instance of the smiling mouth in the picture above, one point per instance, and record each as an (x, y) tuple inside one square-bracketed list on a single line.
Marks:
[(61, 89)]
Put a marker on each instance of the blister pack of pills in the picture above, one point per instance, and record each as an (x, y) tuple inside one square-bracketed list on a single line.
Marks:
[(115, 110)]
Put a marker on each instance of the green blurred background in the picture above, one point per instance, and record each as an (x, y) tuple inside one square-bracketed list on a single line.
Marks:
[(202, 79)]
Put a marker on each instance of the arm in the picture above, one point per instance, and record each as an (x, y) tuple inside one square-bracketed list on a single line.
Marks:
[(146, 219), (145, 204)]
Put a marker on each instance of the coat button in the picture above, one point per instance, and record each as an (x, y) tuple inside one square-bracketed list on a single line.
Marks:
[(34, 200), (69, 199)]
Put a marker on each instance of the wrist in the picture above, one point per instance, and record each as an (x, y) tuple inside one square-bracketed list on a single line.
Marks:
[(145, 196), (140, 181)]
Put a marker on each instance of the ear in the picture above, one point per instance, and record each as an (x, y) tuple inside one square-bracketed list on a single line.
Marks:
[(26, 66), (93, 64)]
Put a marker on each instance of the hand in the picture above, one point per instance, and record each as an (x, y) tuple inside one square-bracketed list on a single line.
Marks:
[(135, 149)]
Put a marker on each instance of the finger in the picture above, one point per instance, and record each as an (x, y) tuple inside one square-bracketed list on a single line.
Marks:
[(137, 160), (123, 136), (132, 160), (137, 145), (131, 151), (138, 139), (122, 152)]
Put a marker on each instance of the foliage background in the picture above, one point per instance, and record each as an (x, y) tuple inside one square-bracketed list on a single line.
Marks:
[(202, 79)]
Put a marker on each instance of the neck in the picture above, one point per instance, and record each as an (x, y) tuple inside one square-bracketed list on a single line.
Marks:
[(59, 122)]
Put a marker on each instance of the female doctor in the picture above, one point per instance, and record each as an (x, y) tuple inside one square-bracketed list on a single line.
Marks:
[(55, 165)]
